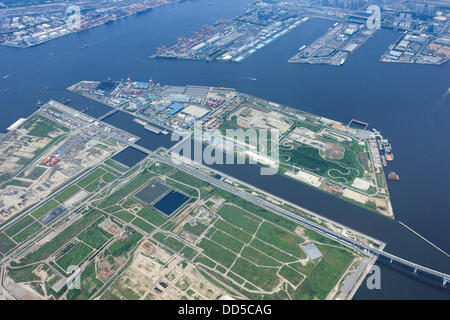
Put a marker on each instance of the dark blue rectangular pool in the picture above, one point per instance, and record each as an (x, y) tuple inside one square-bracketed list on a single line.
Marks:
[(171, 202)]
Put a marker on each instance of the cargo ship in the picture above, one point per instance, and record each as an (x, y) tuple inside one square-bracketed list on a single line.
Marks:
[(393, 176)]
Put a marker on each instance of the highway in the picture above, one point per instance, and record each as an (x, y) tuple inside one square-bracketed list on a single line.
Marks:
[(369, 251)]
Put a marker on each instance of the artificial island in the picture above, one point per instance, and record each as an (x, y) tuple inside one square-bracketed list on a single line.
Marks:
[(83, 196)]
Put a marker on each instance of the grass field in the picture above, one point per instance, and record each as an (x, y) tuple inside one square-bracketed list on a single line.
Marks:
[(94, 236), (27, 232), (227, 241), (217, 253), (144, 226), (74, 256), (6, 244), (61, 239), (94, 175), (258, 258), (19, 226), (90, 284), (152, 216), (126, 190), (67, 194), (42, 210), (240, 218), (262, 277), (281, 239), (123, 246), (124, 215)]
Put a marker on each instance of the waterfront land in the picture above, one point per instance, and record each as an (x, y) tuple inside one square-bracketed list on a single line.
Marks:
[(335, 46), (344, 160), (34, 23), (114, 226), (427, 40)]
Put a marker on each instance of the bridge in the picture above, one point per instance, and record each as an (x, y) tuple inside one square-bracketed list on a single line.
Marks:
[(109, 113), (367, 250)]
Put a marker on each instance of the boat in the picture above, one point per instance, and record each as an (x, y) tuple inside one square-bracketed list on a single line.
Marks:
[(393, 176)]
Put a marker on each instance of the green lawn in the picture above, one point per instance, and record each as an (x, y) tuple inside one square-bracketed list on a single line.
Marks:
[(27, 232), (6, 244), (19, 226), (94, 175), (42, 210), (281, 239), (74, 256), (123, 246), (227, 241), (262, 277), (239, 218), (67, 193), (217, 253), (61, 239), (141, 224), (259, 258), (152, 216)]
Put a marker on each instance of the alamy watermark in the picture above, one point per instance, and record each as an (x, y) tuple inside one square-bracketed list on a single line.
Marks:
[(373, 281), (74, 280), (237, 146), (374, 20), (73, 17)]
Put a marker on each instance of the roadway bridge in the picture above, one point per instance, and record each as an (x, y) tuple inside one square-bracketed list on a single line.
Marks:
[(109, 113), (369, 251)]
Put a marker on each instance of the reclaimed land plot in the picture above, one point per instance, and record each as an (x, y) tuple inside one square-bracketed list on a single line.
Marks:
[(144, 226), (227, 241), (152, 216), (263, 277), (89, 284), (74, 256), (281, 238), (67, 194), (27, 232), (272, 251), (239, 218), (233, 231), (124, 215), (325, 275), (291, 275), (127, 189), (42, 210), (19, 226), (205, 261), (196, 230), (259, 258), (6, 244), (36, 173), (217, 252), (122, 246), (61, 239), (188, 253), (94, 175), (169, 241), (116, 165), (94, 236)]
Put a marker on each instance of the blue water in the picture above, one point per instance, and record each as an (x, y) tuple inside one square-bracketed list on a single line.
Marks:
[(408, 103), (148, 139), (130, 157), (171, 202)]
